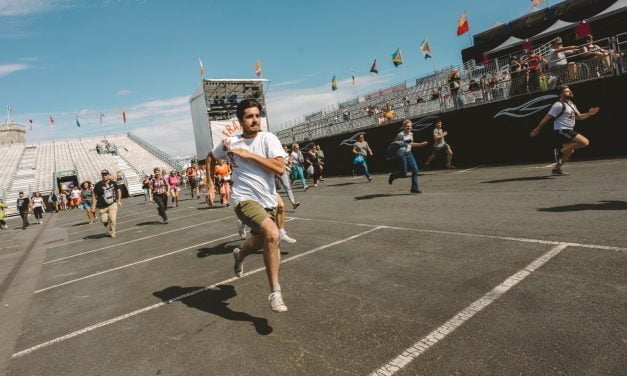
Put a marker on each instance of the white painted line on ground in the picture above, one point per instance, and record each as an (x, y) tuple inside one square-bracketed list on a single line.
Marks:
[(547, 166), (468, 169), (132, 264), (464, 315), (523, 240), (161, 304), (133, 241), (117, 232)]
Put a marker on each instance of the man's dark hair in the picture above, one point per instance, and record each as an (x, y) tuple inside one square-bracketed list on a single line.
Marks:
[(243, 105), (561, 88)]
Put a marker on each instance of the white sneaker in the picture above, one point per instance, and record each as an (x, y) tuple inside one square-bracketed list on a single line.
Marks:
[(276, 302), (241, 229), (239, 265), (285, 238)]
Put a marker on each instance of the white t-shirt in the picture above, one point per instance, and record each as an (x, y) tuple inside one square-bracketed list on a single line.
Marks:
[(250, 180), (404, 136), (38, 202), (297, 158), (567, 119), (557, 58)]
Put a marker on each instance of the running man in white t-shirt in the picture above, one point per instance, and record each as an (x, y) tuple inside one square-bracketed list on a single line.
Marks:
[(565, 114), (256, 157)]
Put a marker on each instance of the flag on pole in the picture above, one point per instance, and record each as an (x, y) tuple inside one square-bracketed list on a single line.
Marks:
[(30, 123), (258, 68), (397, 58), (425, 48), (353, 75), (101, 117), (78, 124), (333, 84), (373, 67), (462, 24), (202, 68), (536, 3), (124, 116), (51, 121)]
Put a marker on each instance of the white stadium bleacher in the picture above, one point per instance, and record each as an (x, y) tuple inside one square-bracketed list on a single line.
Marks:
[(31, 167)]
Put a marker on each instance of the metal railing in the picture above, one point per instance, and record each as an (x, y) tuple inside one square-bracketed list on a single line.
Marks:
[(167, 158), (495, 80)]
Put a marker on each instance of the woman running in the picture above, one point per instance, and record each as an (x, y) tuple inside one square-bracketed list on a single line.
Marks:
[(223, 177), (175, 188), (87, 194)]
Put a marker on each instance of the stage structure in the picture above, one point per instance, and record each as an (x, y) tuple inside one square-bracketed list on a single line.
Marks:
[(213, 107)]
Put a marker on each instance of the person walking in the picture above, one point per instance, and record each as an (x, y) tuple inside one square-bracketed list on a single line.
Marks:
[(284, 181), (407, 159), (297, 160), (361, 150), (159, 187), (87, 196), (455, 88), (440, 146), (314, 162), (38, 207), (321, 161), (564, 114), (256, 158), (146, 188), (3, 223), (107, 199), (175, 187), (24, 207)]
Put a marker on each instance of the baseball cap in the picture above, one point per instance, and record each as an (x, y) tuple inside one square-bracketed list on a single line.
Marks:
[(104, 172), (557, 40)]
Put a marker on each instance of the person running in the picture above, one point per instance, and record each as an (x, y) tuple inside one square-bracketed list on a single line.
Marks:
[(361, 150), (175, 188), (159, 187), (223, 179), (280, 220), (75, 196), (440, 146), (564, 114), (284, 181), (320, 154), (54, 199), (107, 199), (407, 159), (3, 223), (314, 162), (38, 207), (192, 179), (146, 188), (24, 207), (297, 160), (87, 196), (256, 157)]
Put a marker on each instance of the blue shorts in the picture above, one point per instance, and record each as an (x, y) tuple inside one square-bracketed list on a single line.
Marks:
[(86, 205)]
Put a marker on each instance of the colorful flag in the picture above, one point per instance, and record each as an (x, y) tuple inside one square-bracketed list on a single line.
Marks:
[(425, 48), (527, 45), (583, 30), (536, 3), (124, 116), (397, 58), (101, 117), (462, 24), (30, 123), (373, 67), (202, 68), (333, 84), (258, 68), (78, 124), (9, 110), (353, 75), (51, 120)]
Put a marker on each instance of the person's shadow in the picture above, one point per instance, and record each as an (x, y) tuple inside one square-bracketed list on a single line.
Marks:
[(213, 300)]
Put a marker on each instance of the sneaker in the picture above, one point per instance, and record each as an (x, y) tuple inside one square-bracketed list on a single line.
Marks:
[(295, 205), (418, 191), (558, 172), (451, 167), (276, 302), (369, 179), (286, 238), (390, 179), (557, 155), (238, 268), (306, 188), (241, 229), (112, 235), (165, 221)]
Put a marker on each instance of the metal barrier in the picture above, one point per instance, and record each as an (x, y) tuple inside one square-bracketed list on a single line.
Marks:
[(156, 152)]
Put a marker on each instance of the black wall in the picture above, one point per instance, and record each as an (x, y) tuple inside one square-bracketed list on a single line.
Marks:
[(478, 138)]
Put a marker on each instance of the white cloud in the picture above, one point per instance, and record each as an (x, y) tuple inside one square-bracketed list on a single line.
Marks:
[(123, 93), (13, 8), (7, 69)]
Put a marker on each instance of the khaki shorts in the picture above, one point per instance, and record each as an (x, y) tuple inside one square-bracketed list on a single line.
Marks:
[(252, 214)]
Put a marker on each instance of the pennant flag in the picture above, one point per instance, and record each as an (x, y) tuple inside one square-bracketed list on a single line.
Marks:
[(9, 110), (583, 30), (353, 76), (101, 117), (202, 68), (78, 124), (462, 24), (30, 123), (51, 120), (425, 48), (373, 67), (258, 68), (124, 116), (333, 84), (536, 3), (397, 58)]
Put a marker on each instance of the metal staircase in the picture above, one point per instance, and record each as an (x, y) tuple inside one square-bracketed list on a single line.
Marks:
[(133, 178), (24, 179)]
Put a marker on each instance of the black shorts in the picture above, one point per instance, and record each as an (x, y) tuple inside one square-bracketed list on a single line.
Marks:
[(564, 136)]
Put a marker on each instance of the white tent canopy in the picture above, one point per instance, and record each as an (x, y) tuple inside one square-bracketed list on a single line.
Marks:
[(618, 6), (510, 42), (556, 27)]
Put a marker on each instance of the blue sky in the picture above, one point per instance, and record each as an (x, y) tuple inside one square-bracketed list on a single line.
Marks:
[(66, 57)]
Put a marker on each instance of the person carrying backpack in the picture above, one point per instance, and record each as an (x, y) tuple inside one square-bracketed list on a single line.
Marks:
[(564, 114)]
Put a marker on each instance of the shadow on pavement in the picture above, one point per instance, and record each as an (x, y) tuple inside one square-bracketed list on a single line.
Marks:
[(342, 184), (96, 236), (602, 205), (526, 178), (212, 207), (80, 224), (149, 223), (380, 195), (214, 301), (221, 249)]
